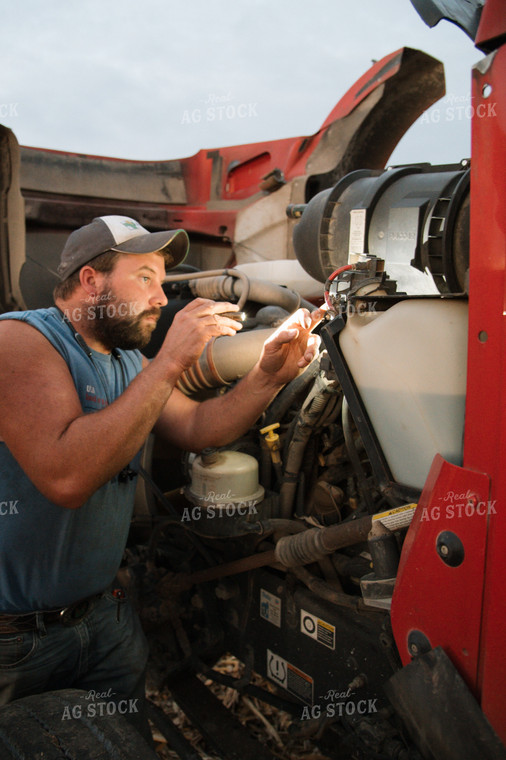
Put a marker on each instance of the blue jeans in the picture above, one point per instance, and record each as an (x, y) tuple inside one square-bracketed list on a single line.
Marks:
[(105, 654)]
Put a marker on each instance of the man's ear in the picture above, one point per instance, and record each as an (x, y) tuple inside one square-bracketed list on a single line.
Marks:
[(90, 279)]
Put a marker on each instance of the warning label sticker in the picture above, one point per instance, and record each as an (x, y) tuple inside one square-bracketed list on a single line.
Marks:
[(318, 629), (357, 231), (397, 518), (289, 677), (270, 607)]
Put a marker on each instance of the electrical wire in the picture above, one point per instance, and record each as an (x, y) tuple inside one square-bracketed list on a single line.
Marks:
[(330, 279)]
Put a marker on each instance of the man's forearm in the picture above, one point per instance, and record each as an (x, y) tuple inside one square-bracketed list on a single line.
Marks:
[(220, 420)]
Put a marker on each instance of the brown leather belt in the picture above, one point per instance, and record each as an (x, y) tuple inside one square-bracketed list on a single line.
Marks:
[(30, 621)]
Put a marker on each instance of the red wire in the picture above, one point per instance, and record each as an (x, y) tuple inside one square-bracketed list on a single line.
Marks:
[(332, 277), (338, 271)]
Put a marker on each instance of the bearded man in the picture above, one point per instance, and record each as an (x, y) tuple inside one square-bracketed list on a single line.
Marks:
[(77, 402)]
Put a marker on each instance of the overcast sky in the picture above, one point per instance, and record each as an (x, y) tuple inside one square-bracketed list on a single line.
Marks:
[(136, 79)]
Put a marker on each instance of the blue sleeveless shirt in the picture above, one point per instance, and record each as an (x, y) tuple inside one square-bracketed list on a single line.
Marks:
[(51, 556)]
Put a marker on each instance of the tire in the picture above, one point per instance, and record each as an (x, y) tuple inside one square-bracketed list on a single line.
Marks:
[(57, 725)]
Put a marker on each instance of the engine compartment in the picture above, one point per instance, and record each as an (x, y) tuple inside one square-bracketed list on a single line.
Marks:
[(283, 548)]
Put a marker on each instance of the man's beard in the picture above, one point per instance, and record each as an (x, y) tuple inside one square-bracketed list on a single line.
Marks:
[(117, 326)]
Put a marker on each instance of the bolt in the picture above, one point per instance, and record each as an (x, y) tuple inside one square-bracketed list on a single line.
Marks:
[(413, 648), (472, 501), (443, 549), (358, 682), (385, 640)]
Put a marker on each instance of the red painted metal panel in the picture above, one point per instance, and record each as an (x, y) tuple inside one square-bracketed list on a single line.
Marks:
[(378, 73), (492, 23), (485, 440), (463, 609), (443, 602), (244, 178)]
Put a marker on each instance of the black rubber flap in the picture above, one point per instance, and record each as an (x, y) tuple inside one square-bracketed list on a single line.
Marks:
[(442, 716)]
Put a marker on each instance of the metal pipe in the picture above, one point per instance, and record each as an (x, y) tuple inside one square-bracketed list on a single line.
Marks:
[(261, 291), (303, 548), (224, 360), (212, 273), (325, 591), (291, 551), (214, 573), (384, 551)]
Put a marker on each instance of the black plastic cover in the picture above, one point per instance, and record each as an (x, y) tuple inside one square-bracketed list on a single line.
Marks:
[(440, 712)]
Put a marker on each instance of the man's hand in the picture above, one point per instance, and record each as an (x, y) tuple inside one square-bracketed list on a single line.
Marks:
[(291, 347), (192, 328)]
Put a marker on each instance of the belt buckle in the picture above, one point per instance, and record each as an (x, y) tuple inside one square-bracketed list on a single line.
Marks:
[(74, 613)]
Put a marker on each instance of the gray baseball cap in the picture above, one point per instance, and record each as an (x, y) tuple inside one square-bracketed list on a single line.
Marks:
[(121, 234)]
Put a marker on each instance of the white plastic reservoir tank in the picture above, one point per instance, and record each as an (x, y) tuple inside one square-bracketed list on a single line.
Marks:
[(409, 364), (225, 479)]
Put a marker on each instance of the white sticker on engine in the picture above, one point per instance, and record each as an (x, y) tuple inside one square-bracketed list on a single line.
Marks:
[(291, 678), (318, 629), (276, 668), (357, 232), (270, 607)]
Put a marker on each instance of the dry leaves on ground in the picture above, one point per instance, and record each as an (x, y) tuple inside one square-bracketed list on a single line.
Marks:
[(266, 723)]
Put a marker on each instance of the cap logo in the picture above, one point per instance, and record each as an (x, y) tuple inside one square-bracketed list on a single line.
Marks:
[(123, 228), (130, 224)]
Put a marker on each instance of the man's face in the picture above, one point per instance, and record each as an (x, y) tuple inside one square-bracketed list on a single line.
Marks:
[(128, 301)]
